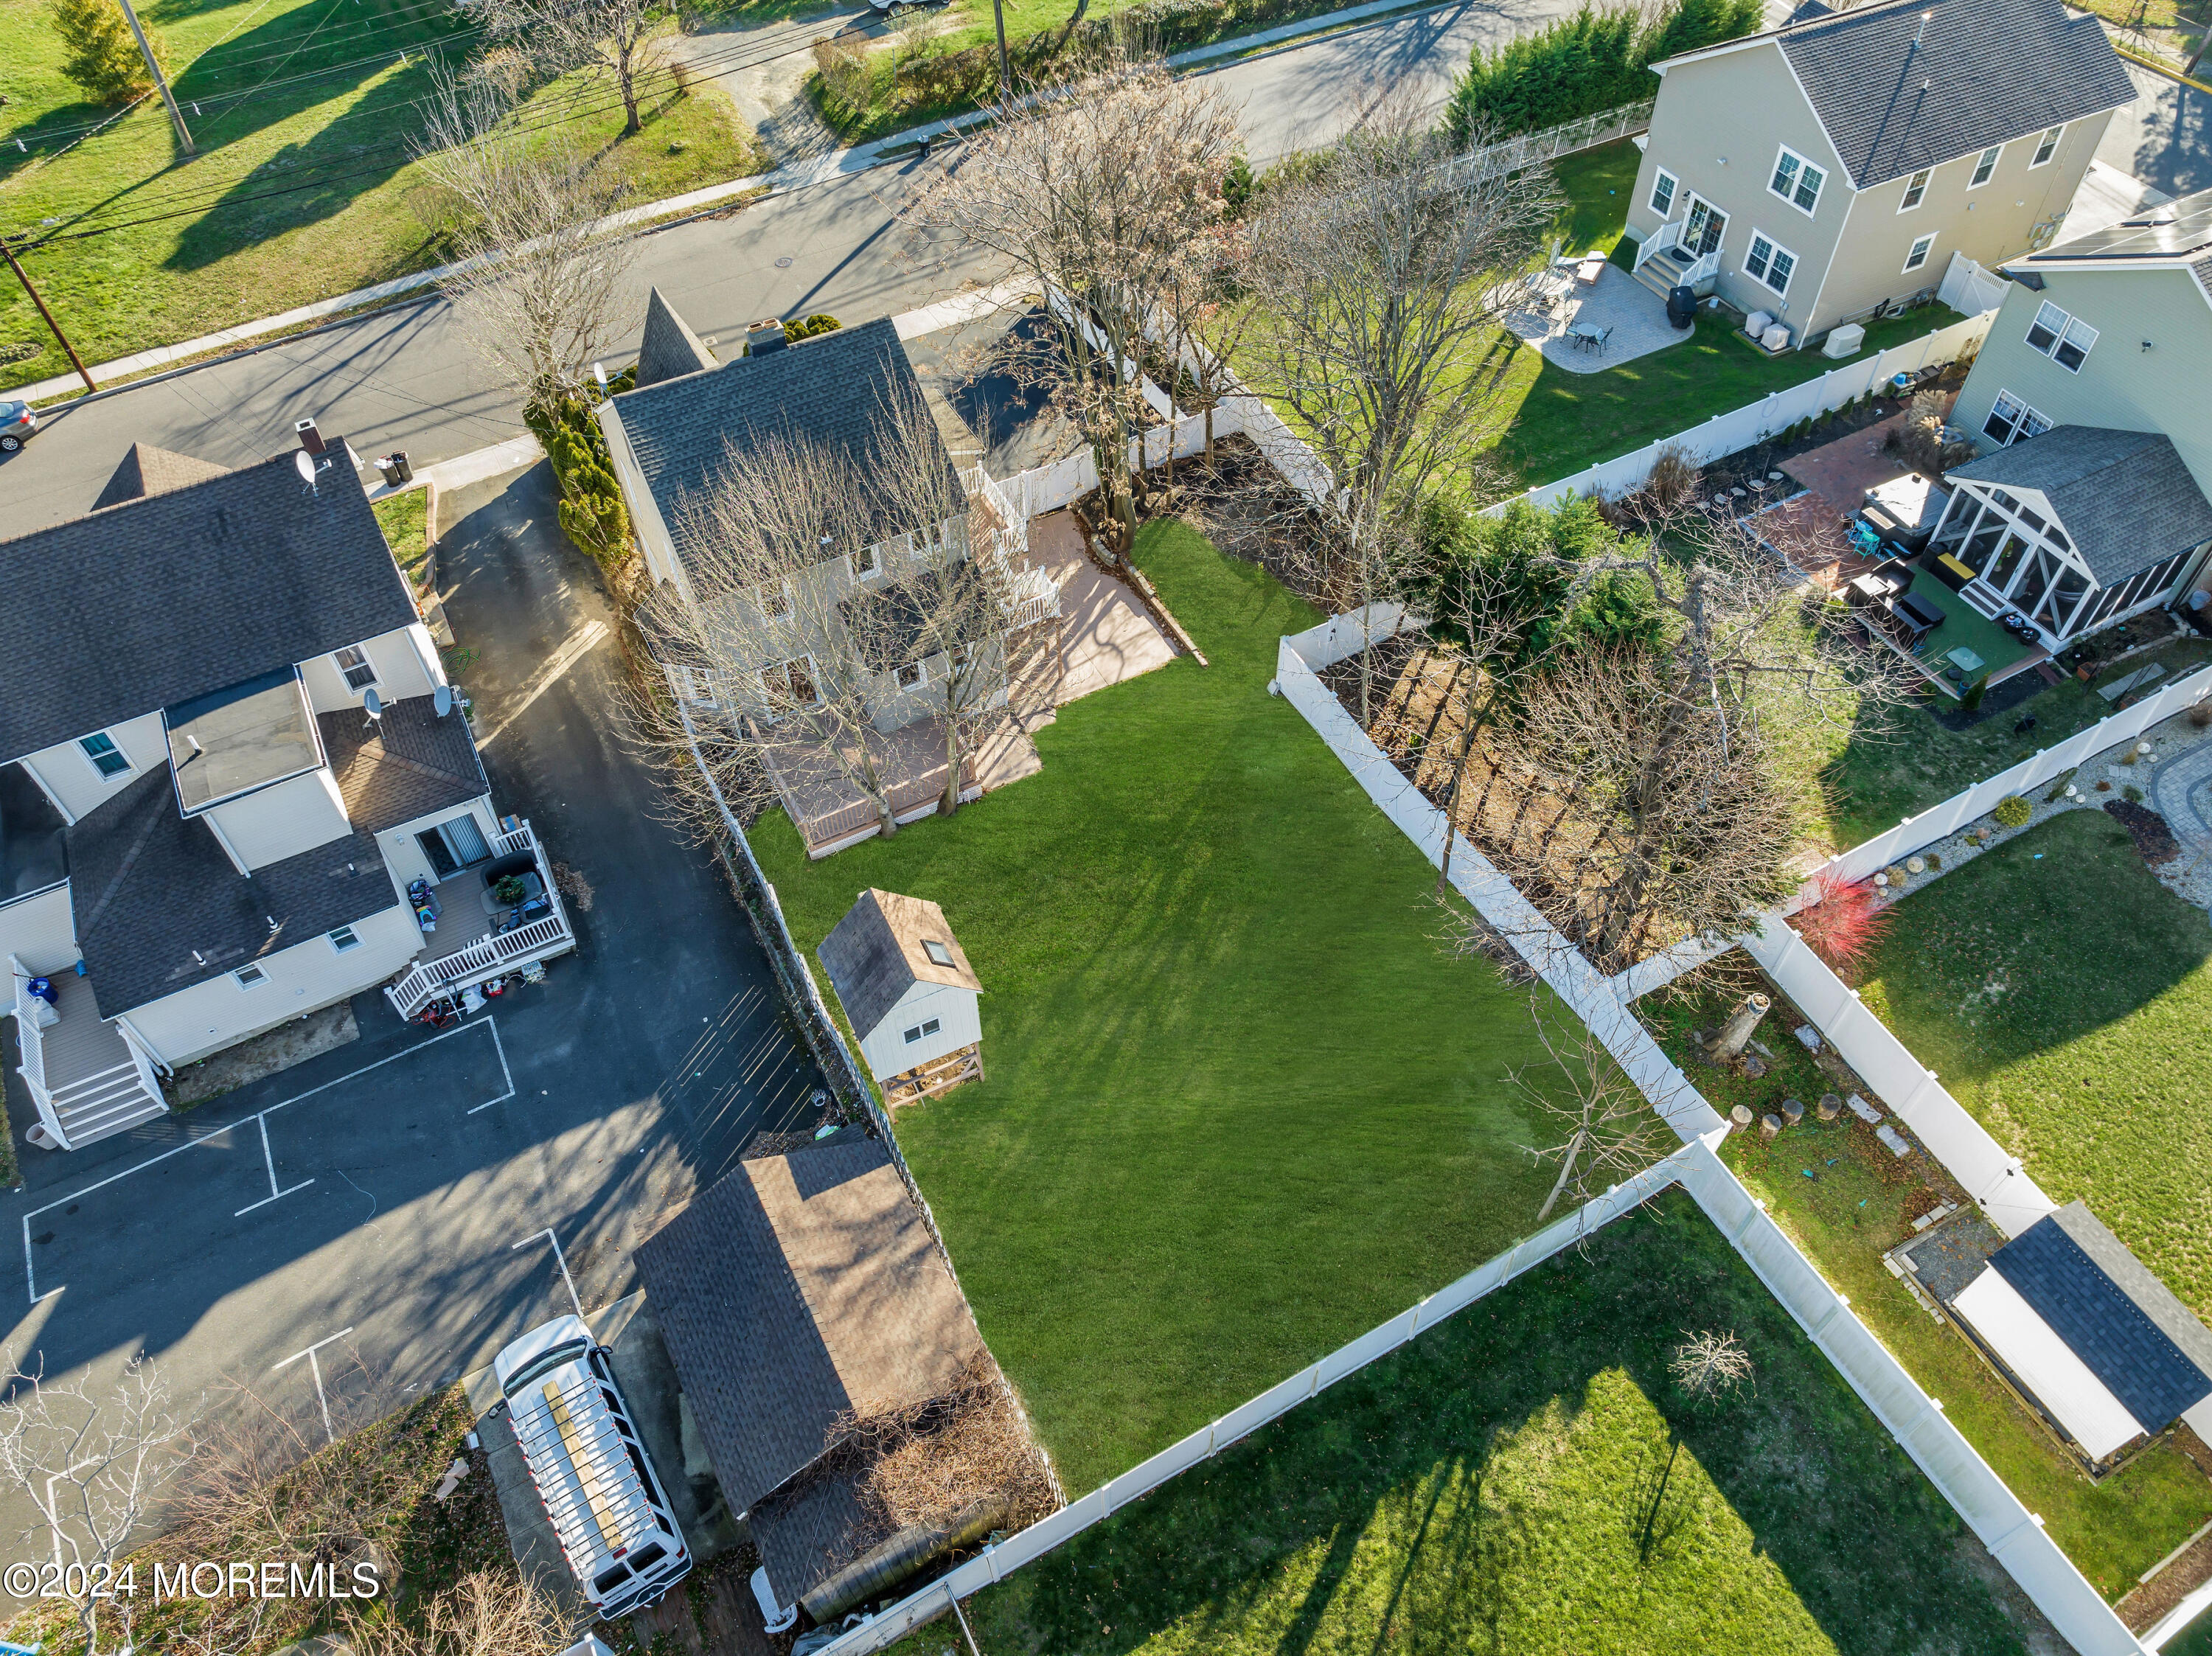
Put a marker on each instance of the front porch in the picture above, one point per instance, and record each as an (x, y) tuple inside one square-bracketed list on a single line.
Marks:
[(476, 935), (88, 1078)]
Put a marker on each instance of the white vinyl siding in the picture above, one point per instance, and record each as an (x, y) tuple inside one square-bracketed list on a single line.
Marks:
[(283, 820), (41, 931), (1769, 263), (1797, 181), (395, 661), (886, 1049), (74, 782)]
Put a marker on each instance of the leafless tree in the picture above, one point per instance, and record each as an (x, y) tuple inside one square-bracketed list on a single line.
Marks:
[(1605, 1125), (95, 1462), (1710, 1367), (487, 1612), (1380, 278), (619, 37), (537, 281), (1096, 191), (826, 595)]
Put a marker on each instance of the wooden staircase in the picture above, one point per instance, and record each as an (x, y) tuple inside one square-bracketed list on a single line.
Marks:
[(87, 1078)]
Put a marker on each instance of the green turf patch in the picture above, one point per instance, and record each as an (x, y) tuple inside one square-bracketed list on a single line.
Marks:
[(1504, 1484), (404, 518), (1240, 1106)]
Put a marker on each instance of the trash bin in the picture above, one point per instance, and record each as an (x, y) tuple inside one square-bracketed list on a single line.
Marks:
[(386, 473), (401, 471), (1681, 307)]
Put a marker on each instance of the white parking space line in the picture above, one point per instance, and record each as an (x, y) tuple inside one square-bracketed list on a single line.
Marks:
[(260, 1120), (580, 643), (560, 1259), (315, 1366)]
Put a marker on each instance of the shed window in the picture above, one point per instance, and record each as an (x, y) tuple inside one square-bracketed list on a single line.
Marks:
[(106, 758), (2047, 146), (1984, 165), (354, 663), (791, 683), (937, 951), (2066, 340), (1797, 181), (1915, 190), (1662, 193), (922, 1029), (865, 563)]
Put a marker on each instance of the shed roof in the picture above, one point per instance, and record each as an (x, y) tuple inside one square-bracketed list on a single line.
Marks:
[(2128, 1328), (202, 586), (796, 1289), (876, 954), (2126, 498), (1895, 98)]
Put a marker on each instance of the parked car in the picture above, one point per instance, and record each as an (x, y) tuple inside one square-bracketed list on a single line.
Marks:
[(601, 1494), (894, 7), (17, 422)]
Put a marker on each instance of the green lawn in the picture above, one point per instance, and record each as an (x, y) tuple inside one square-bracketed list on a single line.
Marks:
[(302, 188), (1241, 1105), (1859, 1201), (1502, 1485), (404, 520)]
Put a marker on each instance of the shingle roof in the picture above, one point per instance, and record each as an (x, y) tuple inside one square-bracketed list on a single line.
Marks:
[(411, 763), (875, 955), (809, 1531), (2125, 499), (832, 391), (198, 588), (2127, 1328), (668, 350), (147, 887), (1985, 72), (797, 1288), (150, 470)]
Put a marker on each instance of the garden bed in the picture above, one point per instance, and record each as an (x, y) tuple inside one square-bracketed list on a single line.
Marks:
[(1527, 1476)]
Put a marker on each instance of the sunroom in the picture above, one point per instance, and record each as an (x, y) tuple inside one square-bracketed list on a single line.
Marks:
[(2074, 529)]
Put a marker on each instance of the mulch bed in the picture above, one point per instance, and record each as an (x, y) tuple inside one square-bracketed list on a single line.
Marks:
[(2154, 840), (1760, 459)]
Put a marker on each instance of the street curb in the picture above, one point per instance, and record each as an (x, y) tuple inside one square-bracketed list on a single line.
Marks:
[(2157, 68)]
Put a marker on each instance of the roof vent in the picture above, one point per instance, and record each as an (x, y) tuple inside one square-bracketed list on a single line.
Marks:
[(761, 337)]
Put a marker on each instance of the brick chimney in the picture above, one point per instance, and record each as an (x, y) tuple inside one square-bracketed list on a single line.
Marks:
[(310, 439)]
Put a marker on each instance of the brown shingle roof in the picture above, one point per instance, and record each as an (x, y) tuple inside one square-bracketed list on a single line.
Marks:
[(411, 763), (150, 470), (875, 955)]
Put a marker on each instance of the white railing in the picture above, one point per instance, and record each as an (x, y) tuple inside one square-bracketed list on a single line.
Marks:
[(491, 956), (1704, 268), (30, 1044), (1663, 239)]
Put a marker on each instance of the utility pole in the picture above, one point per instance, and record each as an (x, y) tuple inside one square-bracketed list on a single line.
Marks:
[(1005, 69), (161, 80), (76, 362)]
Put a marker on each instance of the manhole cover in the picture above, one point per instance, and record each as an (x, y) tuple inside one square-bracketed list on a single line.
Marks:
[(784, 264)]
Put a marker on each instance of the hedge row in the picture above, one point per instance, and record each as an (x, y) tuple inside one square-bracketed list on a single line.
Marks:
[(1592, 61)]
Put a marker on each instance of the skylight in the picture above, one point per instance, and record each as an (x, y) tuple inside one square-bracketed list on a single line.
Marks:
[(938, 953)]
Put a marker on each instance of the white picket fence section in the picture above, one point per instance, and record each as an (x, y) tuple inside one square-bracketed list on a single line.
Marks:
[(1968, 289), (1754, 423), (995, 1562), (1939, 821)]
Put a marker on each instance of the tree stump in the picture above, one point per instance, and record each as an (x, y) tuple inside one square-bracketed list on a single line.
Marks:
[(1769, 1126), (1740, 1118), (1793, 1112), (1830, 1107), (1735, 1033)]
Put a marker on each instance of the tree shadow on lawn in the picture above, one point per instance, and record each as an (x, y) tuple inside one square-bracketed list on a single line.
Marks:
[(1509, 1481), (2033, 945)]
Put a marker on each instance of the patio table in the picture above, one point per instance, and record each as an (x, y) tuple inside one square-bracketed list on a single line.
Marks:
[(1590, 266), (1965, 661)]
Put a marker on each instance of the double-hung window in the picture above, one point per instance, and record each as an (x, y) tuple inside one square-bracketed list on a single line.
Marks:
[(2012, 420), (106, 758), (1796, 181), (1915, 190), (791, 683), (1769, 263), (2066, 340), (1662, 193), (1984, 165), (2047, 146), (1921, 249), (354, 663)]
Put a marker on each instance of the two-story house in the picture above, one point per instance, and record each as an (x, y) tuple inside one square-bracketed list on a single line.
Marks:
[(1825, 169), (2092, 500), (675, 439), (227, 751)]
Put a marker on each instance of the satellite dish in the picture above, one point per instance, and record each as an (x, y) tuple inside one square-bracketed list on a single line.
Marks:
[(304, 464), (371, 703), (441, 700)]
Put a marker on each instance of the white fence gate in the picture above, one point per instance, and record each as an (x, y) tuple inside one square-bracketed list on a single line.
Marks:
[(1969, 289)]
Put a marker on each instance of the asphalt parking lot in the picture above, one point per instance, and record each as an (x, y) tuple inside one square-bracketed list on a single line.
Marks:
[(388, 1204)]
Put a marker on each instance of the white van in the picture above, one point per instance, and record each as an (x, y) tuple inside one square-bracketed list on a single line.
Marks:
[(591, 1469)]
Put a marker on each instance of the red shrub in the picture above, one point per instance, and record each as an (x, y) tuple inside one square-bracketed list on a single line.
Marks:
[(1843, 922)]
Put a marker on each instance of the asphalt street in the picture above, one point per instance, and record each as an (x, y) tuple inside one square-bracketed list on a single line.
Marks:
[(405, 378), (410, 1162), (2164, 137)]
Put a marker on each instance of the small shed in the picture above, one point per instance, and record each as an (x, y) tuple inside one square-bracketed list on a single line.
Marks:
[(2101, 1346), (908, 992)]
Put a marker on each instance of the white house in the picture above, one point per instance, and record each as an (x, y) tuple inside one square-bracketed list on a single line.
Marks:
[(907, 992)]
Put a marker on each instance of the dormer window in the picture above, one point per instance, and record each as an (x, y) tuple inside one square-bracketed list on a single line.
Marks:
[(359, 671), (938, 953), (106, 758)]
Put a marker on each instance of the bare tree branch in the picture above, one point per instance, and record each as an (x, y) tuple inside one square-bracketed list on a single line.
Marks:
[(1604, 1125)]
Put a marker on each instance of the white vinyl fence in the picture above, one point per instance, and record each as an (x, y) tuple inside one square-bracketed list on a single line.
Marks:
[(1968, 289), (996, 1562), (1754, 423)]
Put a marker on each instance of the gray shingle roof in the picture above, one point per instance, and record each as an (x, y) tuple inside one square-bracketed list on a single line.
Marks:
[(147, 887), (150, 470), (799, 1287), (832, 391), (810, 1531), (2126, 498), (412, 763), (669, 349), (197, 588), (1986, 71), (2126, 1326), (875, 955)]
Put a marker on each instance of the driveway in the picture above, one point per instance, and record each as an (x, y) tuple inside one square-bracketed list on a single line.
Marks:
[(372, 1197)]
